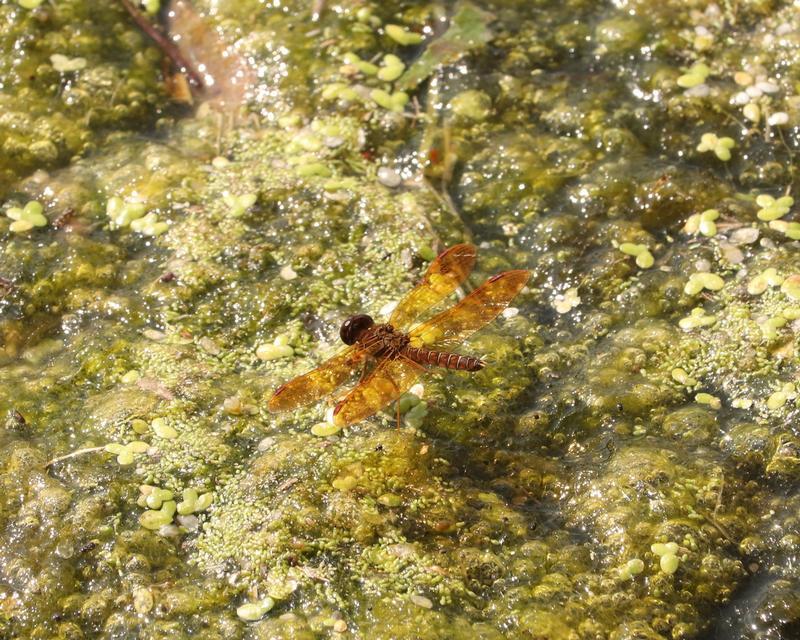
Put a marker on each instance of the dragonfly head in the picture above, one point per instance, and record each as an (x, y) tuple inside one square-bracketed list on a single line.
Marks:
[(354, 326)]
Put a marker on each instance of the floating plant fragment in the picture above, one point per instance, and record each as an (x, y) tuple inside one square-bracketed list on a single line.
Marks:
[(695, 76), (720, 146), (237, 205), (391, 69), (703, 223), (252, 611), (703, 280), (63, 64), (644, 259), (469, 29), (772, 209), (565, 302), (401, 35), (27, 217)]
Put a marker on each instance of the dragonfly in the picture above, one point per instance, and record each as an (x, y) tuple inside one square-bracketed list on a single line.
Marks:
[(391, 355)]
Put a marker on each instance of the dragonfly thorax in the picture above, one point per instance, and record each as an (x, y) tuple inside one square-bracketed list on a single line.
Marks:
[(383, 340)]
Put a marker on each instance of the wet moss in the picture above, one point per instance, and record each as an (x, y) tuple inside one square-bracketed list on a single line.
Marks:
[(599, 428)]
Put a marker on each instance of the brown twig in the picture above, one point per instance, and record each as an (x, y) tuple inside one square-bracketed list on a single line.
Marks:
[(63, 218), (166, 45), (78, 452), (6, 287)]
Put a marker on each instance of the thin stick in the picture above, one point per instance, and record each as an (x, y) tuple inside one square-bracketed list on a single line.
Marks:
[(166, 45), (78, 452)]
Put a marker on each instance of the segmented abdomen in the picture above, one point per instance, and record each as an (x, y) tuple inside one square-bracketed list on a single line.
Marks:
[(444, 359)]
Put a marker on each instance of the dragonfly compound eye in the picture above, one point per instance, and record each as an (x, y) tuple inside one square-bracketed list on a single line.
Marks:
[(353, 327)]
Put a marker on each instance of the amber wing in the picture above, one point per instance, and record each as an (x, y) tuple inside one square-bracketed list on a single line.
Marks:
[(318, 382), (444, 274), (451, 327), (388, 381)]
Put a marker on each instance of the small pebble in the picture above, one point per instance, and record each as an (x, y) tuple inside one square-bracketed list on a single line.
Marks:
[(388, 177), (287, 273), (752, 112), (778, 118), (745, 235), (143, 600), (421, 601)]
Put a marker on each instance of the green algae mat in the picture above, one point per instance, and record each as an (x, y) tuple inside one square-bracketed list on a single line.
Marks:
[(625, 467)]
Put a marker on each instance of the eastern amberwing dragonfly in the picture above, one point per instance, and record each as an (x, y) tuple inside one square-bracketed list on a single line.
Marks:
[(391, 359)]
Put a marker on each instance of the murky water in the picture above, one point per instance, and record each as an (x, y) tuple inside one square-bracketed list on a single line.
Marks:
[(626, 465)]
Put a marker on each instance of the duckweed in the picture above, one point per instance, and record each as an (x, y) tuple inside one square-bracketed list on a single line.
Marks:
[(253, 611), (696, 319), (696, 75), (644, 259), (238, 205), (63, 64), (156, 519), (27, 217), (703, 280), (401, 35), (153, 497), (354, 64), (123, 212), (125, 453), (790, 229), (268, 352), (392, 101), (163, 429), (390, 500), (707, 399), (631, 568), (776, 400), (591, 402), (324, 429), (720, 146), (772, 209), (681, 377), (391, 68), (767, 278), (790, 287), (669, 563)]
